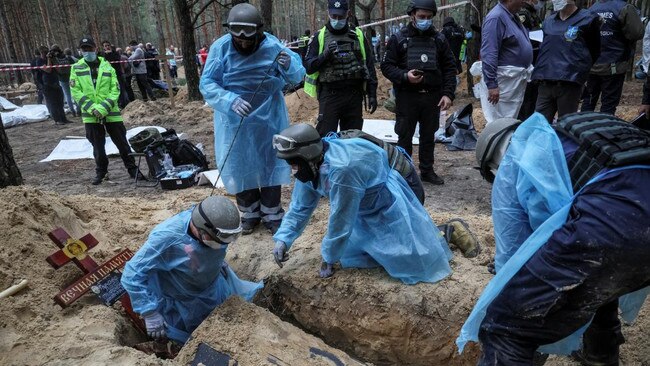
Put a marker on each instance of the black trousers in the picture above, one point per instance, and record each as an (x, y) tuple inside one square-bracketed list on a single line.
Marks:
[(530, 101), (96, 134), (561, 97), (143, 85), (124, 94), (413, 107), (261, 204), (342, 105), (607, 88), (129, 88), (54, 102)]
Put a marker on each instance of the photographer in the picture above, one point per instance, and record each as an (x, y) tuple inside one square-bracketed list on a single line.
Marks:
[(49, 78), (64, 77)]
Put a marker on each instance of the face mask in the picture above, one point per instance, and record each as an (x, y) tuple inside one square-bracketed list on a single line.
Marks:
[(540, 4), (423, 24), (89, 56), (305, 172), (338, 24), (559, 4), (214, 244)]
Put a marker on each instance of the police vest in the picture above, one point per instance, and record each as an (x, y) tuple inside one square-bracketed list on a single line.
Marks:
[(604, 141), (613, 45), (102, 95), (564, 54), (396, 159), (421, 52), (346, 64), (303, 41)]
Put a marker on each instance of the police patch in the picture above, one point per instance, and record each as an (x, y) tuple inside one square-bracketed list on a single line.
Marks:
[(424, 58), (337, 4), (571, 34)]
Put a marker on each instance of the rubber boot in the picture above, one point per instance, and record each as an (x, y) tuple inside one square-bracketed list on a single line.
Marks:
[(457, 232)]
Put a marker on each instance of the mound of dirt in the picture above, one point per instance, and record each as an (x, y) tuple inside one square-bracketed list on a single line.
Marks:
[(254, 336)]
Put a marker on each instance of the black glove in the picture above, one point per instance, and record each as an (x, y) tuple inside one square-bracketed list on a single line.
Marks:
[(330, 49), (372, 104)]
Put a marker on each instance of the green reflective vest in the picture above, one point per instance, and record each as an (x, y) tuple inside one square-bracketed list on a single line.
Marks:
[(101, 96), (311, 80)]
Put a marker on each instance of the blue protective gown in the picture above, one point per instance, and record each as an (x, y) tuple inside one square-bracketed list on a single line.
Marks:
[(375, 218), (227, 75), (531, 203), (180, 278)]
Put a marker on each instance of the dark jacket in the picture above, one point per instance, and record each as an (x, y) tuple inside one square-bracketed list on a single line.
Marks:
[(455, 35), (314, 61), (113, 57), (394, 64), (646, 92)]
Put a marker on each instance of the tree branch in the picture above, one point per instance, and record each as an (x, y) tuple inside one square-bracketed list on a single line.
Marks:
[(205, 6), (367, 7), (208, 22)]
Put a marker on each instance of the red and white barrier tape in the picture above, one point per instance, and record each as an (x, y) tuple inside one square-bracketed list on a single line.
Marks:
[(22, 68)]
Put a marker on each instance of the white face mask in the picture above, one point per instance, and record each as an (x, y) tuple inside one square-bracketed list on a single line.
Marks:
[(559, 4)]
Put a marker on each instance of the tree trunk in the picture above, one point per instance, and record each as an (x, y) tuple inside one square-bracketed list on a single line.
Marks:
[(46, 22), (188, 45), (473, 45), (266, 8), (4, 22), (216, 9), (169, 37), (9, 172)]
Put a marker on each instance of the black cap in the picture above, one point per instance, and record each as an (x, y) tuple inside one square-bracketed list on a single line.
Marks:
[(87, 41), (337, 7)]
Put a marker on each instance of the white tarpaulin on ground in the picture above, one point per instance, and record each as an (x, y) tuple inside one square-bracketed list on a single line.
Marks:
[(7, 105), (25, 114), (209, 177), (80, 148), (385, 129)]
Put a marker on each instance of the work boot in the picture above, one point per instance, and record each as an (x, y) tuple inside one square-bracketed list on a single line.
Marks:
[(247, 227), (431, 177), (99, 178), (273, 227), (457, 232)]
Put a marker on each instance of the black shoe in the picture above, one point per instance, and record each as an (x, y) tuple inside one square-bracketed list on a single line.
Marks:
[(153, 99), (273, 227), (432, 177), (247, 227), (99, 178)]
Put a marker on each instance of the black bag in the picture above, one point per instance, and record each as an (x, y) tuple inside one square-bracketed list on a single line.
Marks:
[(184, 152)]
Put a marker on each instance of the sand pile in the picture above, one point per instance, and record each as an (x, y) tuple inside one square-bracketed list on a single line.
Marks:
[(302, 107)]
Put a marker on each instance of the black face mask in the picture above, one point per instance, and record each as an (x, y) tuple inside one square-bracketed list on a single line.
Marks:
[(305, 172), (255, 40)]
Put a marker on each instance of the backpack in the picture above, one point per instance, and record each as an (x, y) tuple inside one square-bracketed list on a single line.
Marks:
[(184, 152)]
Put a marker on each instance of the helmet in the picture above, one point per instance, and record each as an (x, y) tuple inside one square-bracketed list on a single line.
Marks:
[(300, 141), (217, 217), (422, 4), (492, 145), (244, 20)]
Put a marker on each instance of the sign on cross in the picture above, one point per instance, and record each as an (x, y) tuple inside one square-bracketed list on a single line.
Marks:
[(76, 251)]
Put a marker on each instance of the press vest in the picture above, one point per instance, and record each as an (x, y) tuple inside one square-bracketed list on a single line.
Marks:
[(613, 45), (101, 95), (564, 54), (604, 142), (347, 64)]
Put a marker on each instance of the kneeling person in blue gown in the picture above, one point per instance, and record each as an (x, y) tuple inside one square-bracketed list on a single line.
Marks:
[(179, 275), (375, 220)]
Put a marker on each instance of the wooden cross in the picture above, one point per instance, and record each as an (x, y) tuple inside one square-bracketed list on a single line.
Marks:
[(75, 250)]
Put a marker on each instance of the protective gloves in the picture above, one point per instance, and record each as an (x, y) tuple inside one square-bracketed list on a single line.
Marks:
[(280, 253), (326, 270), (155, 325), (372, 105), (284, 60), (330, 50), (224, 269), (241, 107), (97, 113)]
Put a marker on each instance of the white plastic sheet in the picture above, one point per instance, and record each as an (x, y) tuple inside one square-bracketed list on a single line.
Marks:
[(7, 105), (25, 114), (645, 60), (512, 82), (75, 148)]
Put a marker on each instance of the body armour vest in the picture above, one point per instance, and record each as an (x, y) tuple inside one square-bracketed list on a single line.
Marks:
[(613, 45), (422, 53), (347, 62), (604, 141), (564, 54)]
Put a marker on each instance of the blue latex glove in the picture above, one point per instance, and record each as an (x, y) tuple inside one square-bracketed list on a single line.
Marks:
[(280, 253), (284, 60), (326, 270), (241, 107), (224, 269), (155, 325)]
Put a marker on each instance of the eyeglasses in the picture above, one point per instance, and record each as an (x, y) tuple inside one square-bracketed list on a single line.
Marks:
[(284, 143), (238, 29)]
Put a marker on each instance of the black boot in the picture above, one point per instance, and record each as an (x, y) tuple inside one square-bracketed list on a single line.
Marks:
[(431, 177), (248, 226), (99, 178)]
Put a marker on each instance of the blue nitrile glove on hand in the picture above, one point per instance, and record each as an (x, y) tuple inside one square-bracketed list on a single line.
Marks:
[(284, 60), (155, 325), (326, 270), (224, 269), (280, 253), (241, 107)]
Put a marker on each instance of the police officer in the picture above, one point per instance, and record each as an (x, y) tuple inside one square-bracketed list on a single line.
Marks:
[(422, 67), (455, 35), (340, 70), (570, 47), (303, 41), (531, 21), (622, 27), (96, 90)]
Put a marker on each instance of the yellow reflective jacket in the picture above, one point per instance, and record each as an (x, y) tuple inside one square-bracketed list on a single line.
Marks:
[(101, 96)]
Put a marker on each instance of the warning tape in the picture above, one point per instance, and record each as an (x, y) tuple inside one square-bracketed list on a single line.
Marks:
[(63, 66)]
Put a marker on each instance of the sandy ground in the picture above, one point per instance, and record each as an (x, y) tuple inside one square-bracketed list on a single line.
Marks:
[(364, 313)]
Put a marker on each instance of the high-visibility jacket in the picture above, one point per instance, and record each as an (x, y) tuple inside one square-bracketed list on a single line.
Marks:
[(311, 80), (101, 95)]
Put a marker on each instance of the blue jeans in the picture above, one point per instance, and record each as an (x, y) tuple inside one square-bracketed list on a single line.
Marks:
[(65, 86)]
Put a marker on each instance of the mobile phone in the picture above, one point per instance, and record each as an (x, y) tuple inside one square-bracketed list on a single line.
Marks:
[(418, 72)]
